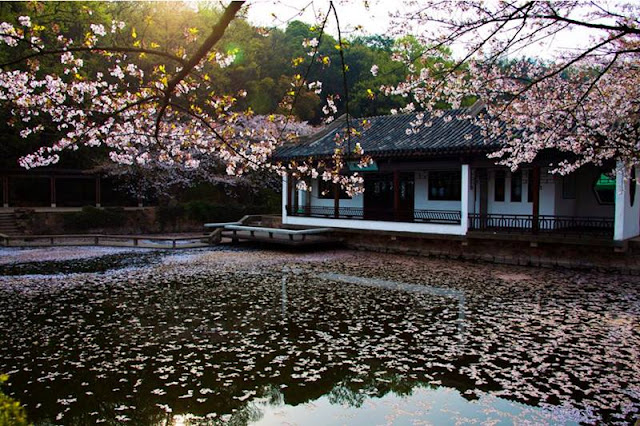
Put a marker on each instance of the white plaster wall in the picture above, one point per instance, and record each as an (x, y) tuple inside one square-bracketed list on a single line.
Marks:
[(586, 202), (356, 201), (566, 206), (421, 197), (547, 195), (471, 192), (627, 217), (466, 197), (421, 202)]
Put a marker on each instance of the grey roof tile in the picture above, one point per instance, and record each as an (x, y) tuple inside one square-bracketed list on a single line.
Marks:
[(388, 136)]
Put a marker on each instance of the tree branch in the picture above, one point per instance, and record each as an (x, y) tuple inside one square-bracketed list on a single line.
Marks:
[(216, 34), (116, 49)]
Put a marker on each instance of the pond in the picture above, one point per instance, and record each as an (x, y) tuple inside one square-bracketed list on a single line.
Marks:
[(337, 337)]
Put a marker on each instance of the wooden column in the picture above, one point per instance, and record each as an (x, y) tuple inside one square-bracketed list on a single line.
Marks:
[(535, 177), (98, 192), (396, 195), (5, 191), (483, 185), (296, 198), (53, 191), (336, 200), (289, 192), (307, 199)]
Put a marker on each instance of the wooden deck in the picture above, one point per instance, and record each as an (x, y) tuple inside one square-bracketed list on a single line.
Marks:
[(280, 236)]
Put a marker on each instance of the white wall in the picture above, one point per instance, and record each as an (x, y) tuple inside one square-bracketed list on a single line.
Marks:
[(421, 195), (356, 201), (547, 195), (586, 202), (466, 197), (420, 202), (627, 217), (568, 206)]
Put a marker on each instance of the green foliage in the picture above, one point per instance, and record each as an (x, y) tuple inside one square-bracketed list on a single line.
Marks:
[(11, 412), (92, 217), (203, 211), (168, 215)]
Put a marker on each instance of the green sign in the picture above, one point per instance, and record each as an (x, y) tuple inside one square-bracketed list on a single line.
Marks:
[(354, 166)]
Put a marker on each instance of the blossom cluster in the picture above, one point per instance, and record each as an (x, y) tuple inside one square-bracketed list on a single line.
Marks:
[(582, 103), (142, 117)]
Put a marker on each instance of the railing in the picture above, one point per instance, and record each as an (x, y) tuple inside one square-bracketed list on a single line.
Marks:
[(546, 224), (450, 217), (116, 240)]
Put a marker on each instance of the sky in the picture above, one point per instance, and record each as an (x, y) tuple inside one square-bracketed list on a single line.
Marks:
[(352, 14), (357, 19)]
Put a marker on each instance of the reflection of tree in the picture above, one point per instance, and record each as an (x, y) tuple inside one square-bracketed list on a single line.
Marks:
[(198, 342), (344, 395), (354, 393)]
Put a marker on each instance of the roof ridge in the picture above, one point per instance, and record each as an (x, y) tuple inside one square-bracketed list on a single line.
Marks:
[(404, 114)]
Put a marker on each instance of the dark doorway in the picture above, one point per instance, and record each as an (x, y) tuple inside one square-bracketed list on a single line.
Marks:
[(379, 197), (75, 192), (406, 195)]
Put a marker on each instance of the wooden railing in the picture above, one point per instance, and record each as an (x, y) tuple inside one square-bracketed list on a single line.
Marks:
[(546, 224), (116, 240), (451, 217)]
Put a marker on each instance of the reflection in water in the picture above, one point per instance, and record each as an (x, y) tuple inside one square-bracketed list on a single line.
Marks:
[(439, 406), (191, 342), (414, 288), (284, 294)]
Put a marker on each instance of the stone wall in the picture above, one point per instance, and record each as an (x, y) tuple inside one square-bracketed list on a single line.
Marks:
[(547, 255), (128, 221)]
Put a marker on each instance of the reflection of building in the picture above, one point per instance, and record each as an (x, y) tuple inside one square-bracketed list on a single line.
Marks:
[(444, 292), (440, 181)]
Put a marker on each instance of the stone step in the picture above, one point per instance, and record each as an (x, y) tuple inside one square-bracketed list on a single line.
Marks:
[(8, 224)]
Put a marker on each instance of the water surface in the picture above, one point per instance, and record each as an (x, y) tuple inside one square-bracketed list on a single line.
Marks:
[(329, 338)]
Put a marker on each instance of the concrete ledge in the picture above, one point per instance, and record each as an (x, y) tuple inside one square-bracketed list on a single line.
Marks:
[(600, 258)]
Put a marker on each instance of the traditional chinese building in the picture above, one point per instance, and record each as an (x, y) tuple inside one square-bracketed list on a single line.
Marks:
[(440, 181)]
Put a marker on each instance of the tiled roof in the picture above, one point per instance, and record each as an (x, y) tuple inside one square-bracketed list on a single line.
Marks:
[(388, 136)]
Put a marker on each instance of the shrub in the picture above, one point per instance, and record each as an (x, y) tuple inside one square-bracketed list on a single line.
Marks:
[(93, 217), (11, 412), (168, 215), (204, 211)]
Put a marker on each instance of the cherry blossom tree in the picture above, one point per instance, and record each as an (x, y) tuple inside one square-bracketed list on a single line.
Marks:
[(581, 100), (170, 114)]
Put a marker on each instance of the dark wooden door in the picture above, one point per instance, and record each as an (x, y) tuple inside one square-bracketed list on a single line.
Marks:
[(406, 192), (378, 196)]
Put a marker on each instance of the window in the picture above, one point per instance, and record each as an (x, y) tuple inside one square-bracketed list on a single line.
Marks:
[(605, 188), (326, 191), (445, 185), (499, 186), (516, 186)]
